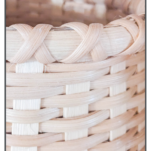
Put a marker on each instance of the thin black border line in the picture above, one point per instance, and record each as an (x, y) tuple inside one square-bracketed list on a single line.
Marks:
[(5, 74)]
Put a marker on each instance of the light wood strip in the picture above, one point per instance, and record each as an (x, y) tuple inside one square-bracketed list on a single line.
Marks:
[(77, 110), (118, 110), (30, 104), (61, 46)]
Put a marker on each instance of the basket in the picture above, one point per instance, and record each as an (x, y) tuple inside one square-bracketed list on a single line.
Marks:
[(75, 75)]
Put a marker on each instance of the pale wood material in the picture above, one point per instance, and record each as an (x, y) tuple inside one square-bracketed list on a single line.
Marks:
[(117, 133), (95, 139), (103, 81), (115, 111), (76, 111), (104, 103), (129, 146), (88, 93), (141, 145), (99, 51), (27, 129), (141, 126), (58, 67), (105, 126), (109, 147), (134, 148), (143, 149), (141, 66), (140, 89), (64, 42)]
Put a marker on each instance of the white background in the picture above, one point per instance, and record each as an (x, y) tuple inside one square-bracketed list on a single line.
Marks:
[(148, 57)]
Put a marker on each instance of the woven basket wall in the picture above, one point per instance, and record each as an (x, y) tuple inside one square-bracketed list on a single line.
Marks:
[(75, 75)]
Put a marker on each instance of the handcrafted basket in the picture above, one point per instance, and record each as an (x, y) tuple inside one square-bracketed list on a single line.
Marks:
[(78, 86)]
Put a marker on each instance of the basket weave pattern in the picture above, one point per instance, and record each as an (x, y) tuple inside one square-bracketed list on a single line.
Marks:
[(76, 87)]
